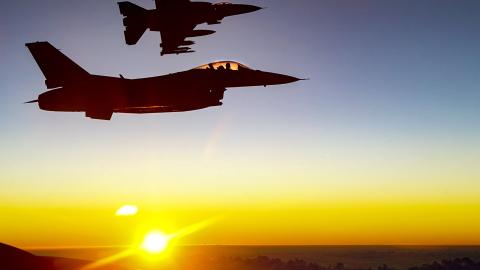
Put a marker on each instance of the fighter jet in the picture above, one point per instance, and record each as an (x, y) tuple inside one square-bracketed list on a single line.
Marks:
[(176, 21), (72, 89)]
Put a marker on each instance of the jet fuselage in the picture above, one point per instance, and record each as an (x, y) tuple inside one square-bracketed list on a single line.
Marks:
[(182, 91), (194, 13)]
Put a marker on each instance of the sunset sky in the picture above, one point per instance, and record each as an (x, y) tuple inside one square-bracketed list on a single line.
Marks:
[(380, 146)]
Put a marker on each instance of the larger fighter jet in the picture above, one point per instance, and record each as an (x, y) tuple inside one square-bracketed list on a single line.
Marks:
[(72, 89), (176, 21)]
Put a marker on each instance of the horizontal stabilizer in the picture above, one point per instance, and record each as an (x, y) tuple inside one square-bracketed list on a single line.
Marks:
[(133, 34)]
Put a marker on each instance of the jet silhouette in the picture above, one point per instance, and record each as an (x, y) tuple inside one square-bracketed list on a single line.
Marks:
[(176, 21), (72, 89)]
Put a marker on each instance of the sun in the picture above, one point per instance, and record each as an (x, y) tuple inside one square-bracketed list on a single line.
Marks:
[(155, 242)]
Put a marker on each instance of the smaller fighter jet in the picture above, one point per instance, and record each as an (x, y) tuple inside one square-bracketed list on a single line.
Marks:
[(176, 21), (73, 89)]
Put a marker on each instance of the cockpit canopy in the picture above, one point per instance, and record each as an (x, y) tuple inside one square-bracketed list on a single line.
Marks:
[(225, 65), (223, 3)]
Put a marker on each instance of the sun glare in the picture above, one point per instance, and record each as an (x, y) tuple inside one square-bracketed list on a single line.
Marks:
[(155, 242), (127, 210)]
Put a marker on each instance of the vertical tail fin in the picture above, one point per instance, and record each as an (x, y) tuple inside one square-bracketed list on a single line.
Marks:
[(134, 21), (56, 67)]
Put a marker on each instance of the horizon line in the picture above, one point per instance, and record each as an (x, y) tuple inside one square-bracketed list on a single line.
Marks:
[(252, 245)]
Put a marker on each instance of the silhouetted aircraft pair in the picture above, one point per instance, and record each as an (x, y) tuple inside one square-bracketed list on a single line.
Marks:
[(72, 89)]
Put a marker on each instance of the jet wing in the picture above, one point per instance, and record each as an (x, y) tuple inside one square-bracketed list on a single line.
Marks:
[(173, 38)]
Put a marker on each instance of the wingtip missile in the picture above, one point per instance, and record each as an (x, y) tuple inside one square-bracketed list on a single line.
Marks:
[(179, 51), (200, 32)]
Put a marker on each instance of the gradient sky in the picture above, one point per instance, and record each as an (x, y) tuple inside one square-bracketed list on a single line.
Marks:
[(380, 146)]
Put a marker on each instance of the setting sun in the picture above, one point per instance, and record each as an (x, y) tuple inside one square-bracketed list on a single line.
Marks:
[(155, 242)]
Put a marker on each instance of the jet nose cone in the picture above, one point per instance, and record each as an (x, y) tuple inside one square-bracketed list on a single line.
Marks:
[(269, 78), (249, 8), (287, 79), (236, 9), (275, 78)]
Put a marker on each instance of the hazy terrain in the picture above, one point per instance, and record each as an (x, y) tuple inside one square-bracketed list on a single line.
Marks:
[(235, 257)]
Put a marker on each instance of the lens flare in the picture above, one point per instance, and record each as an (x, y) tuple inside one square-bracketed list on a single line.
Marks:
[(155, 242), (127, 210)]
